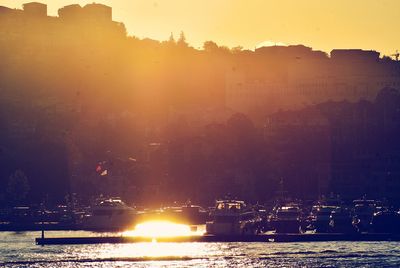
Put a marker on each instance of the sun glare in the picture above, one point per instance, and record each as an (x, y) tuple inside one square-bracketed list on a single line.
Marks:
[(156, 229)]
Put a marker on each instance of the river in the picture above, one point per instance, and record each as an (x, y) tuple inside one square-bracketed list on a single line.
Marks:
[(19, 250)]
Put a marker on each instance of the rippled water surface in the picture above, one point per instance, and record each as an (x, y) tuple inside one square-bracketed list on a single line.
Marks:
[(19, 250)]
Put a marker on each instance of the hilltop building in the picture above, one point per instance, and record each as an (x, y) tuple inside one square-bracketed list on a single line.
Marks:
[(92, 20), (35, 9), (295, 76), (90, 12)]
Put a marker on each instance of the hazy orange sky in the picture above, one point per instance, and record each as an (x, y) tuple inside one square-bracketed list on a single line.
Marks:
[(322, 24)]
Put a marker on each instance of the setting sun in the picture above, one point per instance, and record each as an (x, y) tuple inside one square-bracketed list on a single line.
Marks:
[(156, 229)]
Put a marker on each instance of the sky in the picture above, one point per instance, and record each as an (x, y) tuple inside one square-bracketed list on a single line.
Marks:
[(321, 24)]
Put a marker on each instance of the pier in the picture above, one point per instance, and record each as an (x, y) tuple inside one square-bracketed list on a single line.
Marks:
[(281, 237)]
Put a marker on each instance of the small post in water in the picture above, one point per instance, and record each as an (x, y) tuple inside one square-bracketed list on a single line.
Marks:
[(42, 214)]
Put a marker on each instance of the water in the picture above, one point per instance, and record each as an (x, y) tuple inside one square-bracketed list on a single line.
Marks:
[(19, 250)]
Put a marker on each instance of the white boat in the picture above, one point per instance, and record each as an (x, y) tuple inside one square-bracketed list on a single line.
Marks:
[(226, 218), (109, 214)]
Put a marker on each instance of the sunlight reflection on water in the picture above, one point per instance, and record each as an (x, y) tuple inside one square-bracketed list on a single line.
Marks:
[(156, 229), (155, 249)]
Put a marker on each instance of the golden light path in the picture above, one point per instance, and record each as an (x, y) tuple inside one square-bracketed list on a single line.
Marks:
[(154, 249), (155, 229)]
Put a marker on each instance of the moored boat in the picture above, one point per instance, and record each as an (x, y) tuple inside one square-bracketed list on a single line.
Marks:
[(341, 221), (387, 221), (286, 219), (227, 218), (363, 210), (109, 214), (320, 217)]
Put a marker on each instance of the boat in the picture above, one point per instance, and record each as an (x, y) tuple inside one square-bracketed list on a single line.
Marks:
[(320, 217), (21, 217), (194, 214), (387, 221), (227, 218), (364, 210), (188, 214), (286, 219), (109, 215), (341, 221)]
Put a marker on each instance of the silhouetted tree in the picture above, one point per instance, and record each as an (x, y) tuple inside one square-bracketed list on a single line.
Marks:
[(236, 49), (182, 40), (210, 46), (171, 39)]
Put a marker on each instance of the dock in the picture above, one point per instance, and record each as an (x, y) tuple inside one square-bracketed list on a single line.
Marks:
[(280, 237)]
